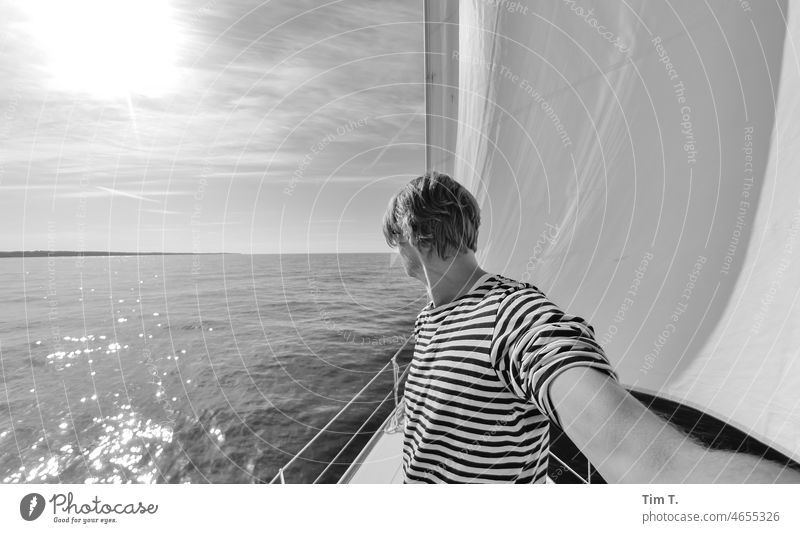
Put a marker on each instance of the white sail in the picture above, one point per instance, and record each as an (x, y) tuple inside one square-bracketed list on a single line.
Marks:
[(629, 162)]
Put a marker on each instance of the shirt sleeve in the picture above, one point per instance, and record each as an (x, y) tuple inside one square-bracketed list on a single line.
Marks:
[(534, 341)]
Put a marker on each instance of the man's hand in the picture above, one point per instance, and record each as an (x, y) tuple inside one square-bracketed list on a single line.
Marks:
[(627, 443)]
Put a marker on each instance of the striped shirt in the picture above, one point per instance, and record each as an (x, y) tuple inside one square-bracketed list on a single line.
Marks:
[(477, 406)]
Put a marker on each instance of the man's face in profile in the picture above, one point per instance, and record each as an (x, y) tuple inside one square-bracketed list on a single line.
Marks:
[(411, 260)]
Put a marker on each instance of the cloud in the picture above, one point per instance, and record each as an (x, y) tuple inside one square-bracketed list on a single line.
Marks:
[(164, 212), (108, 192), (116, 192), (260, 84)]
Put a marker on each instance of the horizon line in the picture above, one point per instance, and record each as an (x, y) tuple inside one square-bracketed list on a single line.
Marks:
[(41, 253)]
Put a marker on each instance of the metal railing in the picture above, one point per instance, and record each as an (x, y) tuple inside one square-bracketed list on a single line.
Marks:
[(586, 481), (396, 374)]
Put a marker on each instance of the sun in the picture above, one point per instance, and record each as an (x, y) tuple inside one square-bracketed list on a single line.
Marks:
[(107, 48)]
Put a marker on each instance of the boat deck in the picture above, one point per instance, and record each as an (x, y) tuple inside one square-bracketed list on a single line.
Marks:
[(381, 460)]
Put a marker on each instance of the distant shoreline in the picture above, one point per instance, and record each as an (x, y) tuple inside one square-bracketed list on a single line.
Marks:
[(68, 253), (73, 253)]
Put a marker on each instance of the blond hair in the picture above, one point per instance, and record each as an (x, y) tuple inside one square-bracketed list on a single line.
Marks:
[(433, 211)]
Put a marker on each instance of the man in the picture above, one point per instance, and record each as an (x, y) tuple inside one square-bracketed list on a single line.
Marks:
[(495, 363)]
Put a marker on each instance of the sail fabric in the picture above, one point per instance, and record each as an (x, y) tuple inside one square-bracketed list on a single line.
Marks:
[(750, 367), (629, 163)]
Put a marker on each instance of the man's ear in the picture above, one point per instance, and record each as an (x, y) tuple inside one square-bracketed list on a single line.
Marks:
[(429, 253), (424, 251)]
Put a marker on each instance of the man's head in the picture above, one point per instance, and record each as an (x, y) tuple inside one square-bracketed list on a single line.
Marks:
[(433, 218)]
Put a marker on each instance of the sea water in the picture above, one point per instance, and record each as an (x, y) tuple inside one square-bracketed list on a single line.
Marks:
[(191, 368)]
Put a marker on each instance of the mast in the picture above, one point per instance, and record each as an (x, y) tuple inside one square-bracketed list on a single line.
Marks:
[(441, 83)]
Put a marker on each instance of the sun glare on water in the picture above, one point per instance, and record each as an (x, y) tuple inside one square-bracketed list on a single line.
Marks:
[(107, 48)]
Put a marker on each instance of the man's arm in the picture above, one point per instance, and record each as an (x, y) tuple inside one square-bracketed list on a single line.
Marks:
[(628, 443)]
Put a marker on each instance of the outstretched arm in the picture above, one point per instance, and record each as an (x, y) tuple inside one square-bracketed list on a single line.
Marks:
[(626, 442), (552, 360)]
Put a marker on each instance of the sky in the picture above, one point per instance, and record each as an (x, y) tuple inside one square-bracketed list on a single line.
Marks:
[(206, 126)]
